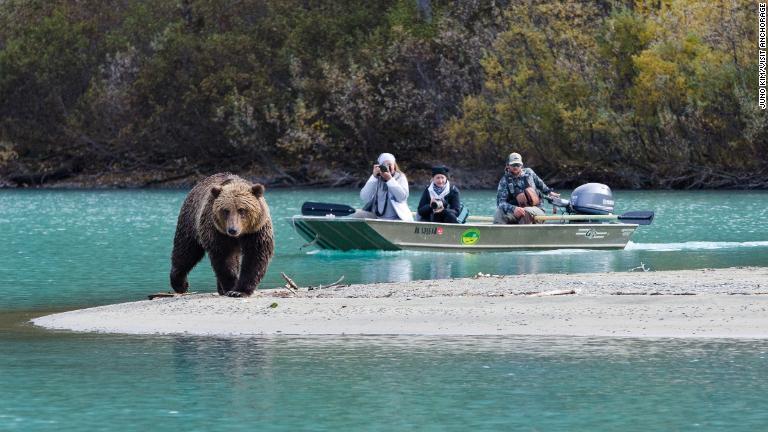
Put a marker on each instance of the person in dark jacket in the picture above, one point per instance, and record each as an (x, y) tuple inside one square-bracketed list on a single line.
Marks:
[(440, 201)]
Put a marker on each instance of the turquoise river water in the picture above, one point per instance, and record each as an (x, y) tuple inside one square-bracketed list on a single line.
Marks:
[(62, 250)]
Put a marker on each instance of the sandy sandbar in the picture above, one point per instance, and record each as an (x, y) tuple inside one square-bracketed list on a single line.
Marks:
[(715, 303)]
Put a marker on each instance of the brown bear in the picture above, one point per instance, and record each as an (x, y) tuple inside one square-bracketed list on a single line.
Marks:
[(226, 216)]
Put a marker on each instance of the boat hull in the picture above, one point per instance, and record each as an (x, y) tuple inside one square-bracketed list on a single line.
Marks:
[(339, 233)]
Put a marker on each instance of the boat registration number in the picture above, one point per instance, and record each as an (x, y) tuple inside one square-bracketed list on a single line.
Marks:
[(428, 230)]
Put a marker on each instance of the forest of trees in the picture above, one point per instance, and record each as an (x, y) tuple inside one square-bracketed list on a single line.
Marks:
[(639, 94)]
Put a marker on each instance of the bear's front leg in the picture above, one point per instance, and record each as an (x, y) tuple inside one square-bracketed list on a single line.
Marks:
[(257, 251), (226, 267)]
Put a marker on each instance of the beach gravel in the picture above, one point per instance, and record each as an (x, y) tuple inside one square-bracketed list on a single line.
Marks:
[(713, 303)]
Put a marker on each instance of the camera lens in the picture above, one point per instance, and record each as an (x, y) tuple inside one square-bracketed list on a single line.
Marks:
[(433, 204)]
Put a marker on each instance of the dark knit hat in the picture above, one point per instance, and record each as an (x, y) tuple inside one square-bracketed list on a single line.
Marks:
[(439, 169)]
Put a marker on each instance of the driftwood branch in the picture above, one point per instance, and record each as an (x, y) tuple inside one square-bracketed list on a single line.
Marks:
[(167, 294), (552, 293), (290, 284), (328, 286), (641, 267), (294, 288)]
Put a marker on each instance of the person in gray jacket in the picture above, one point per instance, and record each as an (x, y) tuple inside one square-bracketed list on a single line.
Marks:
[(385, 194), (518, 196)]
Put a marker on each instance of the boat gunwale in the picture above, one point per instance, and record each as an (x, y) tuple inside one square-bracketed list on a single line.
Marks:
[(469, 224)]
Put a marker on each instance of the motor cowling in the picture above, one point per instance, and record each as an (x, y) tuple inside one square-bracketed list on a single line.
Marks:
[(592, 199)]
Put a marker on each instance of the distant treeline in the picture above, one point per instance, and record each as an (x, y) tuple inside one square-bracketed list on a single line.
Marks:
[(654, 93)]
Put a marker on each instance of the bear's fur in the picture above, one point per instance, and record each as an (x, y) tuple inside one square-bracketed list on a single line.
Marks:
[(227, 217)]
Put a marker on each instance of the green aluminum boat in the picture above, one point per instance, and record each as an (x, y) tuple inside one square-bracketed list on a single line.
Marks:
[(586, 222), (477, 235)]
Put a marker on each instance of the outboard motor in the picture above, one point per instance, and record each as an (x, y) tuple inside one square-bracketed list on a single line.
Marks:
[(592, 199), (596, 199)]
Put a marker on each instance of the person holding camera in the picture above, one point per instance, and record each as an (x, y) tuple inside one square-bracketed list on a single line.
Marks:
[(440, 201), (386, 192)]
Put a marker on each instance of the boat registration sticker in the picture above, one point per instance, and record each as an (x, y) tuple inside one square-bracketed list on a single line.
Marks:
[(470, 236)]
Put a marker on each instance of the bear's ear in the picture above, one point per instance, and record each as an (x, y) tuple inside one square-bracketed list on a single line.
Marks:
[(258, 190), (215, 191)]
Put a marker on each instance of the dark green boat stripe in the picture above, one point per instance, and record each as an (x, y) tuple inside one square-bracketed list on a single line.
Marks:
[(304, 231), (349, 235), (334, 236), (310, 235), (326, 236), (374, 238), (353, 235)]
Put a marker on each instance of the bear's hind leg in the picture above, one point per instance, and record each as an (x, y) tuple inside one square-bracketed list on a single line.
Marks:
[(186, 254)]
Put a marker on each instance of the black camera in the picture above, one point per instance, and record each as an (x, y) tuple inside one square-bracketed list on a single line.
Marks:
[(436, 204), (384, 168)]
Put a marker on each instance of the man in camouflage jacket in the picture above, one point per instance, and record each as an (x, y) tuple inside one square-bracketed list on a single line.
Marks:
[(514, 182)]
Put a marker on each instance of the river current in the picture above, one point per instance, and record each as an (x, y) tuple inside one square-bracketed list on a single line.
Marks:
[(61, 250)]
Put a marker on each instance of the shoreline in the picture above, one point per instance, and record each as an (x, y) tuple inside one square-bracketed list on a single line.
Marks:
[(158, 179), (465, 179), (708, 303)]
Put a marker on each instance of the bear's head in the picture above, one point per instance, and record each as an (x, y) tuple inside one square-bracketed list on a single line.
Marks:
[(239, 208)]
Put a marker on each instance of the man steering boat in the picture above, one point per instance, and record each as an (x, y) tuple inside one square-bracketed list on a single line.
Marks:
[(518, 196)]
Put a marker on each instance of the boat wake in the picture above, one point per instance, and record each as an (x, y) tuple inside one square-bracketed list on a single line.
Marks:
[(695, 245)]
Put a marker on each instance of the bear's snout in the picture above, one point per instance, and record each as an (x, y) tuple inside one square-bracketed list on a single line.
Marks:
[(233, 225)]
